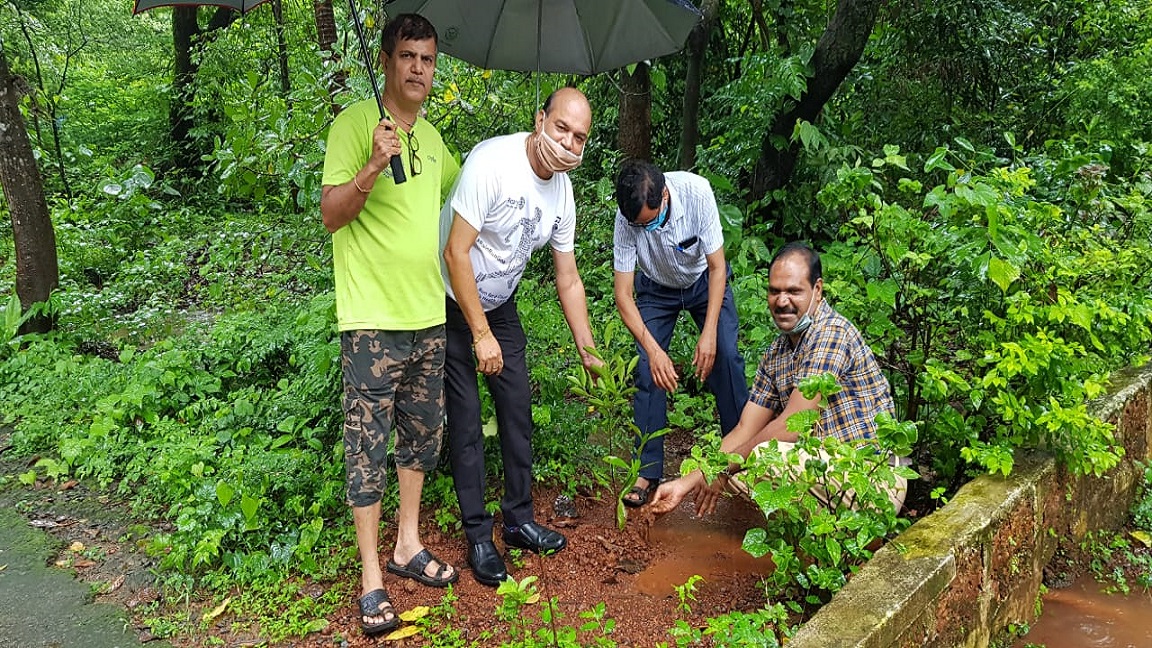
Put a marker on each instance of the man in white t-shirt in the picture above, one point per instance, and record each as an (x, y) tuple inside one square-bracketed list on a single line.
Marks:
[(513, 196)]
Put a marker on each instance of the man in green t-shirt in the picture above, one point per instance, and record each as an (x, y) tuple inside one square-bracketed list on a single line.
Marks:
[(390, 304)]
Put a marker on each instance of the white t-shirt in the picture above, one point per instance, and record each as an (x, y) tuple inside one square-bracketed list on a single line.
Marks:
[(514, 211)]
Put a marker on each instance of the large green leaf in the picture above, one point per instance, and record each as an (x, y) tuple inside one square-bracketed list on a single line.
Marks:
[(1002, 273)]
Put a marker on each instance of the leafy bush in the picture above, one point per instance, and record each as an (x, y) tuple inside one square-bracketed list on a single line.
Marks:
[(825, 502), (1000, 298)]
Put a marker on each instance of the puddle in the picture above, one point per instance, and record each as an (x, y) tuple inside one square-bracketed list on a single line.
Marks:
[(709, 547), (1082, 616)]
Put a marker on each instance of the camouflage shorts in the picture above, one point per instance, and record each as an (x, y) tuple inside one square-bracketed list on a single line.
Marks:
[(393, 392)]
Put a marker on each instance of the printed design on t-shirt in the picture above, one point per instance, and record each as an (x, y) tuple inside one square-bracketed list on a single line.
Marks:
[(513, 265)]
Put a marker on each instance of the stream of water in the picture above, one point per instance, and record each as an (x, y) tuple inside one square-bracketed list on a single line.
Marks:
[(1083, 616)]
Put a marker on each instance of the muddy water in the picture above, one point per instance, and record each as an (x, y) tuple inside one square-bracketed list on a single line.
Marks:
[(1082, 616), (709, 547)]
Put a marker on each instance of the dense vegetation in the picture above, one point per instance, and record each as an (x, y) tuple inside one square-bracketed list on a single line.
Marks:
[(980, 186)]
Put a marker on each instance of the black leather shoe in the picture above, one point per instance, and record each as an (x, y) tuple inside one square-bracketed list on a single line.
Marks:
[(487, 565), (535, 537)]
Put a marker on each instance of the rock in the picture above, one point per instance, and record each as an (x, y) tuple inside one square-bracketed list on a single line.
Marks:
[(565, 507)]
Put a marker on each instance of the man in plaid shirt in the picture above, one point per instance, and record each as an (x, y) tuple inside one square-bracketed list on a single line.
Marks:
[(814, 340)]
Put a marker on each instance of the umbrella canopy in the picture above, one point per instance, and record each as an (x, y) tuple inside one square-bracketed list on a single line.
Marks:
[(568, 36), (243, 6)]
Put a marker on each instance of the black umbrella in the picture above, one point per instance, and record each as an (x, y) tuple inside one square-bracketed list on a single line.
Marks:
[(569, 36)]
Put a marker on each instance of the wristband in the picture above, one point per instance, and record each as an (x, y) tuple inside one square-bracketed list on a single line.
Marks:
[(358, 188)]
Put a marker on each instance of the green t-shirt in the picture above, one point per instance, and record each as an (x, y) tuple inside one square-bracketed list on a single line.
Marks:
[(387, 261)]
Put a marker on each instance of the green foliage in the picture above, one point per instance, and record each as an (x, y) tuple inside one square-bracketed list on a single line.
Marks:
[(11, 319), (216, 429), (519, 596), (999, 277), (766, 627), (826, 502), (1123, 560), (999, 310), (609, 391), (1142, 507)]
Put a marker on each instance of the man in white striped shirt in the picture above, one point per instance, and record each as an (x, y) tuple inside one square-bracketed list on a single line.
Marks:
[(668, 225)]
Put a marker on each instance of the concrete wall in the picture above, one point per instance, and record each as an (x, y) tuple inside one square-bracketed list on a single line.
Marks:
[(961, 575)]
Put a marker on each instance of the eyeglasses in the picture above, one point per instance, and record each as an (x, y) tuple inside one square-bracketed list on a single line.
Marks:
[(658, 219), (413, 146)]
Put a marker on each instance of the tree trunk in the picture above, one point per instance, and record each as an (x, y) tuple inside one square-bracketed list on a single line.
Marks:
[(837, 52), (37, 272), (187, 34), (185, 28), (634, 138), (326, 38), (281, 49), (693, 78)]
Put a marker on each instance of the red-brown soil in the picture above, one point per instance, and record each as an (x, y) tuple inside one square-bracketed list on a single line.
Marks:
[(633, 572)]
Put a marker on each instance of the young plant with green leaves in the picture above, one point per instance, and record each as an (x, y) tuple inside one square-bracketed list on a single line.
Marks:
[(825, 501), (610, 391)]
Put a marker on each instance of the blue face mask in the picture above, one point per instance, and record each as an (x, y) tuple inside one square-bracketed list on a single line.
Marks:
[(655, 223)]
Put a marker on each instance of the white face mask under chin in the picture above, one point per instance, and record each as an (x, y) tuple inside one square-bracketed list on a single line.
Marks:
[(555, 158)]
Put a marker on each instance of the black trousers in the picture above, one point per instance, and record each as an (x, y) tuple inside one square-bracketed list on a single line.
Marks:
[(512, 395)]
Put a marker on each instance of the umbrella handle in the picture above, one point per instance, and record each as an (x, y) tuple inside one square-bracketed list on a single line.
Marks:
[(398, 175)]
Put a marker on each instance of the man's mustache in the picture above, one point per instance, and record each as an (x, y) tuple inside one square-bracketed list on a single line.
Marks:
[(785, 310)]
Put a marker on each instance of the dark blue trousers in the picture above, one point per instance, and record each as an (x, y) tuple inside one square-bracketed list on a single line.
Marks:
[(660, 307), (512, 396)]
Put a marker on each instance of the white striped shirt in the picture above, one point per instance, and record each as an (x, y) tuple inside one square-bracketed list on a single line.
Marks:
[(669, 256)]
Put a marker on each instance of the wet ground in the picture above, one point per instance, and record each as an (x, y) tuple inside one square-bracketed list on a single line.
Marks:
[(1083, 616), (44, 605), (73, 566)]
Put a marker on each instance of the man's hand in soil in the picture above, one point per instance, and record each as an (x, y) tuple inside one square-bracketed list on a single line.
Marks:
[(669, 494)]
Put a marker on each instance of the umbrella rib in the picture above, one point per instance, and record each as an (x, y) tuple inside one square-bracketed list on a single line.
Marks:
[(492, 41), (593, 59)]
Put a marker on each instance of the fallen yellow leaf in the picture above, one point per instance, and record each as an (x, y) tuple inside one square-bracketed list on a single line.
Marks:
[(418, 612), (1142, 536), (217, 611), (76, 546), (403, 633)]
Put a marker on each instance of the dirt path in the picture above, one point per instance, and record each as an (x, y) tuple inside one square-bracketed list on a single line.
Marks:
[(47, 606), (69, 570)]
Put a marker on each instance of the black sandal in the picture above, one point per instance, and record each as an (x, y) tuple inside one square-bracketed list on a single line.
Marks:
[(638, 496), (370, 607), (415, 570)]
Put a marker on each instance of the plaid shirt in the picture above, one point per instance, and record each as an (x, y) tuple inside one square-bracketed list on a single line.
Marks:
[(832, 345)]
